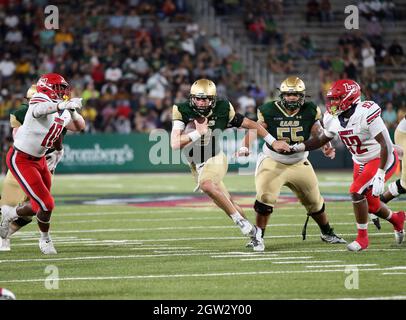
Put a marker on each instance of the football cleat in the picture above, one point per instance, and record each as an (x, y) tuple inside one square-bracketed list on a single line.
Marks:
[(6, 218), (5, 244), (6, 294), (358, 245), (375, 220), (246, 227), (47, 247), (257, 242), (399, 236), (331, 237), (399, 226)]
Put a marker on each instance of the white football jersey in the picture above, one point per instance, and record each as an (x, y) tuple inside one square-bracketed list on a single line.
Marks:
[(36, 135), (359, 132)]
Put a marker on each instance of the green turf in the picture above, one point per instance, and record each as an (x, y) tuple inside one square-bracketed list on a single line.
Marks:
[(184, 252)]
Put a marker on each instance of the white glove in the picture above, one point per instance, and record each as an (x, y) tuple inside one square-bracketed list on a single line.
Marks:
[(298, 147), (78, 102), (74, 103), (53, 159), (378, 183), (243, 152)]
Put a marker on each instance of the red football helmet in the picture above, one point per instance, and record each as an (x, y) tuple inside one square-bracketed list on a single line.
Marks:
[(342, 95), (54, 86)]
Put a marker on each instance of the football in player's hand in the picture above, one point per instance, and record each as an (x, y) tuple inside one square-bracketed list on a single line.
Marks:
[(191, 124)]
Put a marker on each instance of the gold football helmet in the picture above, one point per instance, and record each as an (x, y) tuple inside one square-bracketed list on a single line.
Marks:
[(292, 86), (203, 89), (31, 91)]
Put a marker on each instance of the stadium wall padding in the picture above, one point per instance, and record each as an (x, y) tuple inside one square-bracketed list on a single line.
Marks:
[(141, 152)]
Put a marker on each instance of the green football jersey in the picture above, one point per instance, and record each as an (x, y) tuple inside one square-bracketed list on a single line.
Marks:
[(293, 128), (218, 120), (17, 117)]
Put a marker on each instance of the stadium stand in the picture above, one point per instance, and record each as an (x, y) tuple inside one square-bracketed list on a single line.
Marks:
[(131, 60)]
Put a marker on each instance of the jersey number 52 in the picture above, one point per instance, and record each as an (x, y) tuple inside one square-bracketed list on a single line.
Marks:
[(354, 144)]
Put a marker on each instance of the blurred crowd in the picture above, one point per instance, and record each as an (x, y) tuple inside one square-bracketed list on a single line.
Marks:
[(356, 55), (131, 60), (128, 60)]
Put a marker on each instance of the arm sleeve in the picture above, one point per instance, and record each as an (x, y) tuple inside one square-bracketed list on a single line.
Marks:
[(237, 120), (328, 122), (44, 108)]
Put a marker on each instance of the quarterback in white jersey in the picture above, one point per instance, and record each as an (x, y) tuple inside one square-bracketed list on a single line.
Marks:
[(361, 128), (50, 111)]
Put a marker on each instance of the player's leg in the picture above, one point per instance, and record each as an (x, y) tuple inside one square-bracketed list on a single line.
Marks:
[(269, 179), (223, 187), (302, 180), (35, 179), (12, 195), (378, 208), (397, 187), (359, 186), (210, 177)]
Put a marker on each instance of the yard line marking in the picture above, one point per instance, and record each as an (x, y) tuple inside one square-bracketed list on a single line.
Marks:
[(394, 273), (274, 258), (376, 298), (300, 262), (133, 256), (198, 227), (190, 275), (143, 220), (344, 265), (189, 250), (251, 254)]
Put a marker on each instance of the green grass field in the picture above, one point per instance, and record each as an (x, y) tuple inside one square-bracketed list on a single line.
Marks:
[(149, 237)]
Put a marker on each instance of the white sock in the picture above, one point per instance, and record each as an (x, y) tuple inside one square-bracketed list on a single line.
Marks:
[(362, 226), (390, 215), (44, 235), (14, 214), (236, 216)]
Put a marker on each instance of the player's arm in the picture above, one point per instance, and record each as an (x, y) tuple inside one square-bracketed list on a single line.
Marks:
[(254, 128), (180, 139), (328, 149), (386, 161), (251, 135), (313, 143), (77, 123), (42, 106)]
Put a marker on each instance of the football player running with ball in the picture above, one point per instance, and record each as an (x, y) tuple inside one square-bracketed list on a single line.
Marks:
[(207, 161), (12, 194), (50, 111), (361, 128), (294, 120)]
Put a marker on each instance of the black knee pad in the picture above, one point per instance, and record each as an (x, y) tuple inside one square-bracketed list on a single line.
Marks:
[(23, 221), (318, 212), (262, 208), (401, 190)]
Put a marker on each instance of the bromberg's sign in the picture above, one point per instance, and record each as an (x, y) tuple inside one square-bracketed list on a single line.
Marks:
[(97, 156)]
